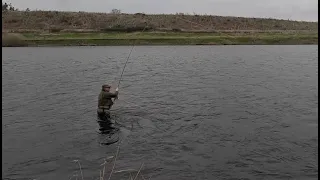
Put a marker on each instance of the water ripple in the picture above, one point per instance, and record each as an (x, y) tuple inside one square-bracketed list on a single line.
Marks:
[(222, 112)]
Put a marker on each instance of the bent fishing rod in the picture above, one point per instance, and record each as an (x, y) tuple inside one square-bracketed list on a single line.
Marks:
[(127, 60), (133, 45), (125, 64)]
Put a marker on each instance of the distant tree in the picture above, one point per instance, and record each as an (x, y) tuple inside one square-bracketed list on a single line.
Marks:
[(8, 7), (116, 11), (11, 8), (5, 7), (27, 9)]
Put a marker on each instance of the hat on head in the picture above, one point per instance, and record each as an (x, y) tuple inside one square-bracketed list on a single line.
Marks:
[(106, 86)]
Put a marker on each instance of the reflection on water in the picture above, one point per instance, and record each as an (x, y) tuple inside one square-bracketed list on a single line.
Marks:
[(108, 130)]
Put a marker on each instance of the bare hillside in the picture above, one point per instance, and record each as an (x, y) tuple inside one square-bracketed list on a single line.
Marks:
[(48, 20)]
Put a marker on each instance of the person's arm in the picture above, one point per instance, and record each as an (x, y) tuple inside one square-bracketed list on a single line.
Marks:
[(111, 95)]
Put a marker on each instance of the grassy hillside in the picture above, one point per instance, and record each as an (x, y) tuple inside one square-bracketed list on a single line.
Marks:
[(33, 28), (63, 21)]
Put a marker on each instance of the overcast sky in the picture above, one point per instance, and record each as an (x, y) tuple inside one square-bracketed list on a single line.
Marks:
[(306, 10)]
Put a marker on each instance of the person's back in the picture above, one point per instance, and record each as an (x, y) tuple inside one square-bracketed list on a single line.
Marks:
[(105, 100)]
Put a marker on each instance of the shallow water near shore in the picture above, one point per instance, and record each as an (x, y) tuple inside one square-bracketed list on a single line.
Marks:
[(186, 112)]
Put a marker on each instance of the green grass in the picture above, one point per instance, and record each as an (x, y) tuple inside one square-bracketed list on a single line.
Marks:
[(117, 35), (170, 38)]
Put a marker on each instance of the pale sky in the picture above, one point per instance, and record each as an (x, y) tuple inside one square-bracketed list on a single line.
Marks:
[(306, 10)]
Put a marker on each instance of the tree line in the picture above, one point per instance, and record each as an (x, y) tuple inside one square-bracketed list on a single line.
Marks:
[(8, 7)]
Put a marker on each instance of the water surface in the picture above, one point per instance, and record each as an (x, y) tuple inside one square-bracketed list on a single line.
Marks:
[(186, 112)]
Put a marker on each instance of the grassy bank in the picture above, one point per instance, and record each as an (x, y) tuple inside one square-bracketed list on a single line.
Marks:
[(53, 28), (148, 38)]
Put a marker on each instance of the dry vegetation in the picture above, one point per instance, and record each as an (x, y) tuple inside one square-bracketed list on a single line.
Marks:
[(116, 28), (54, 21), (13, 40), (108, 170)]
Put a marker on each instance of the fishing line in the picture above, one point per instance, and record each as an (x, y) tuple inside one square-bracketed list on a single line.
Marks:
[(129, 57), (125, 64), (127, 60), (279, 56)]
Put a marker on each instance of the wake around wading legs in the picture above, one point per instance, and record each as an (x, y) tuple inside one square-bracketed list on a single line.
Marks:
[(104, 105)]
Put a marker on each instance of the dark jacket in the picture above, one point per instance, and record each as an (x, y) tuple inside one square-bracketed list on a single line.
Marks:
[(105, 100)]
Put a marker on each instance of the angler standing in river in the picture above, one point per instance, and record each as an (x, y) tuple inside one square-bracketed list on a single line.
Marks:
[(105, 102)]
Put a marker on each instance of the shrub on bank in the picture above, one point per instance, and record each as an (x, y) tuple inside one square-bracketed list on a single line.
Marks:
[(128, 29), (13, 40)]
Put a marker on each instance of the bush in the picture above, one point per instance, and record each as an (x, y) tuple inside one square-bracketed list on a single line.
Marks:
[(120, 28), (140, 14), (115, 11), (55, 30), (13, 40), (176, 30)]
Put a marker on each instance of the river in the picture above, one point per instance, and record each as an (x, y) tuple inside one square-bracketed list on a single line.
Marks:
[(186, 112)]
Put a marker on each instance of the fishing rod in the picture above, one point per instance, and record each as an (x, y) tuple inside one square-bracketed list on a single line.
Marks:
[(127, 59), (125, 64), (137, 40), (134, 46)]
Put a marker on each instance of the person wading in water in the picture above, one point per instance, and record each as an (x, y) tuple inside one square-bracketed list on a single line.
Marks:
[(105, 102)]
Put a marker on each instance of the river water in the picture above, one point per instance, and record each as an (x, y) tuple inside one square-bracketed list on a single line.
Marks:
[(186, 112)]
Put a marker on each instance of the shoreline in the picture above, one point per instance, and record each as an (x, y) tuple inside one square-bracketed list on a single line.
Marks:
[(57, 28), (154, 39)]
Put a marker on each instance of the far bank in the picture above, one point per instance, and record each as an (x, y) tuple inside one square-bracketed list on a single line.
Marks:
[(157, 38)]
